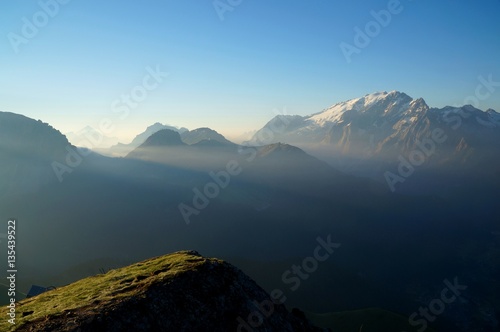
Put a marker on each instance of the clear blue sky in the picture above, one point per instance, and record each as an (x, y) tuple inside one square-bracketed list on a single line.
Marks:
[(231, 74)]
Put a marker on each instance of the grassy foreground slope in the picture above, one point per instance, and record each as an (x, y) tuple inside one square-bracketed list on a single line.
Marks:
[(182, 291)]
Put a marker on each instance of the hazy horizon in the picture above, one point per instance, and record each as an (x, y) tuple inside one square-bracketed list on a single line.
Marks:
[(233, 69), (235, 135), (360, 173)]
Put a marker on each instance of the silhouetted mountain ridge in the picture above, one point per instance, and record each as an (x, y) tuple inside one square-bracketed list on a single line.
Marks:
[(121, 149), (203, 134), (164, 137), (23, 136), (27, 149)]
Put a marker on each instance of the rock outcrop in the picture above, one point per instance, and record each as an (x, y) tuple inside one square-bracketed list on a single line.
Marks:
[(182, 291)]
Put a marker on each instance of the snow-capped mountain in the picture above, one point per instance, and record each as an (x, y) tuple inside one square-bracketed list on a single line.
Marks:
[(373, 123), (384, 127), (361, 117), (385, 102)]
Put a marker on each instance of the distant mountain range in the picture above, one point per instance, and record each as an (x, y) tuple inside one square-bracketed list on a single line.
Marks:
[(262, 203), (121, 149), (200, 136), (375, 134), (90, 134), (381, 122)]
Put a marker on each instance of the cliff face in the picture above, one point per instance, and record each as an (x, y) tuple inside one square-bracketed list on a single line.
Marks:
[(178, 292)]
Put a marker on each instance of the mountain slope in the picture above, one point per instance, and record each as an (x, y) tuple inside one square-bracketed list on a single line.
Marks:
[(24, 136), (379, 122), (121, 149), (203, 134), (155, 146), (201, 149), (182, 291), (164, 137), (27, 150), (328, 126), (371, 135), (128, 209)]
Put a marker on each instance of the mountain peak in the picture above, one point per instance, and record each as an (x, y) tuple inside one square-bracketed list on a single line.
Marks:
[(30, 137), (418, 104), (156, 125), (163, 137), (150, 130), (381, 95), (376, 97), (182, 291), (279, 148), (203, 134), (378, 101)]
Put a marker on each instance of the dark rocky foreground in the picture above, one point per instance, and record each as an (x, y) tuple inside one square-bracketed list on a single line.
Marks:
[(182, 291)]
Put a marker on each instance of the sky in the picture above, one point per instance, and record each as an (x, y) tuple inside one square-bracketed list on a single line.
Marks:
[(232, 65)]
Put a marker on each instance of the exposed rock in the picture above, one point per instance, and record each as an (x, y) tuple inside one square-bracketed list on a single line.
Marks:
[(178, 292)]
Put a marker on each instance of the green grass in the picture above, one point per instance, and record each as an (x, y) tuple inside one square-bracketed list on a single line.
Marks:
[(112, 286), (89, 294)]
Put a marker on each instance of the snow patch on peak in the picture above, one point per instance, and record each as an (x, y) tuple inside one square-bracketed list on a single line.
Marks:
[(375, 97), (419, 104), (362, 104)]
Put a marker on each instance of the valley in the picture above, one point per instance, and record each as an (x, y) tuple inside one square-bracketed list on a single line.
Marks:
[(263, 208)]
